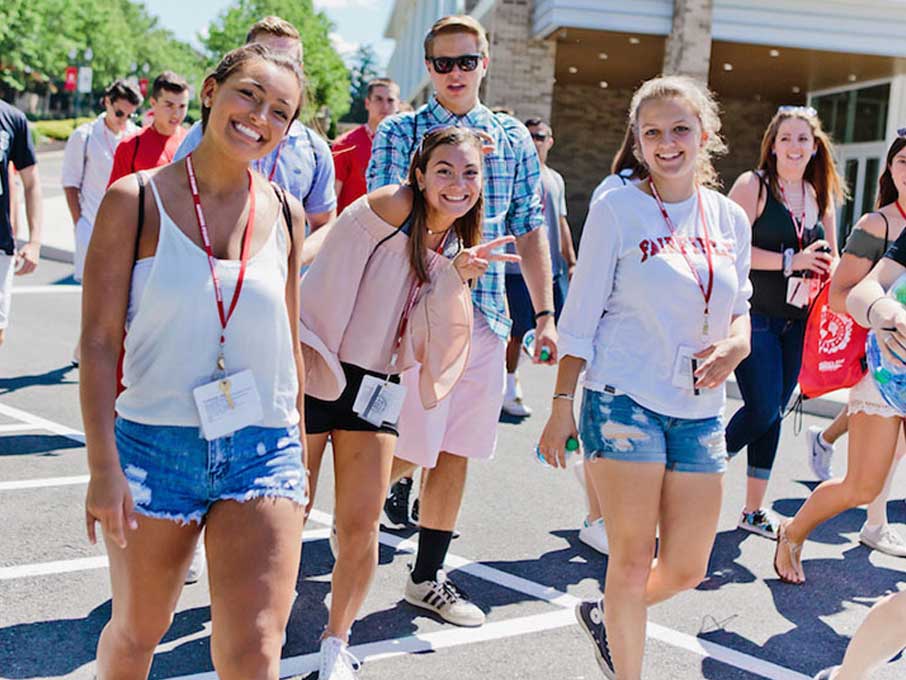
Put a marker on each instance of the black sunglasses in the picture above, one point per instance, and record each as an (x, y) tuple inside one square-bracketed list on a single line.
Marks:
[(120, 114), (465, 62), (540, 136)]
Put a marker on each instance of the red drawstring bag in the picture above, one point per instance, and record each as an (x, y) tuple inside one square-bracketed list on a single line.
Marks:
[(833, 353)]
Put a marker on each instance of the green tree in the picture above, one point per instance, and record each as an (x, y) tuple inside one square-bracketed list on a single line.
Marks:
[(363, 70), (328, 79)]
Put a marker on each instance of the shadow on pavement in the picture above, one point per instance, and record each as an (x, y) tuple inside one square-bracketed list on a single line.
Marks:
[(57, 376), (26, 444)]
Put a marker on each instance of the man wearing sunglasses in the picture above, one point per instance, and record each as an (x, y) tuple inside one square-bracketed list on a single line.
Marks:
[(464, 425), (87, 163)]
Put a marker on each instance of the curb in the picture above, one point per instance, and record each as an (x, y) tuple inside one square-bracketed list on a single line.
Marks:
[(825, 407)]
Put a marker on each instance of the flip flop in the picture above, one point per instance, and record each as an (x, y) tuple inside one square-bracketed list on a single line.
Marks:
[(793, 548)]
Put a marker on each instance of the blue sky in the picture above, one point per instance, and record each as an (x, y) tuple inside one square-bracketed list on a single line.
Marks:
[(356, 21)]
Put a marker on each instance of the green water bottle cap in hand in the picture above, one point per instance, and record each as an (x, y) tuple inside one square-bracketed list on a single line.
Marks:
[(572, 444), (545, 354)]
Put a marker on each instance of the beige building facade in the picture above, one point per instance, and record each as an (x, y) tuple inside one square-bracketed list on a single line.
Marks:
[(577, 62)]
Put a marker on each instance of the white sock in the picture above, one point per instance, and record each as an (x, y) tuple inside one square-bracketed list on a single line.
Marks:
[(510, 386), (824, 443)]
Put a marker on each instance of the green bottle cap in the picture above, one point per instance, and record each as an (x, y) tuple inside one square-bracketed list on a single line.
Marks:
[(545, 354), (572, 444)]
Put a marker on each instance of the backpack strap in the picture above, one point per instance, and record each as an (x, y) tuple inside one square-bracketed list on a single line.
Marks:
[(85, 156), (285, 209), (141, 212)]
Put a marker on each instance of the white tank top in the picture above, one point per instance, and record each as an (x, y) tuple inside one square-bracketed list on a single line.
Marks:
[(172, 342)]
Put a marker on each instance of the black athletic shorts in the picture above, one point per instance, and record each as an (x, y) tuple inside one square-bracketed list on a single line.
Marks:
[(323, 416)]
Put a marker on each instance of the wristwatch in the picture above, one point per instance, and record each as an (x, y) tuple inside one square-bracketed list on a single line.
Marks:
[(788, 262)]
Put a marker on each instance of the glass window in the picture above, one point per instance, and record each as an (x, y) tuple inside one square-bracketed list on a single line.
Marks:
[(870, 184), (850, 174), (857, 115)]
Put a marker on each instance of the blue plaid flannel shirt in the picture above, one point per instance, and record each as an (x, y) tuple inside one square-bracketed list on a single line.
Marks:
[(512, 183)]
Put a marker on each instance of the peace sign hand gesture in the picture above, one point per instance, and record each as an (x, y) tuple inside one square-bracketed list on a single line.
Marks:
[(473, 262)]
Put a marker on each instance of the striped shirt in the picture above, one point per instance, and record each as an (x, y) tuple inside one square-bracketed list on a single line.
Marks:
[(512, 183)]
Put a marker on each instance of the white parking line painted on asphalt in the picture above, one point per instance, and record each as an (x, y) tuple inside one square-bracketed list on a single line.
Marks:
[(437, 640), (98, 562), (17, 427), (42, 423), (37, 290), (42, 483)]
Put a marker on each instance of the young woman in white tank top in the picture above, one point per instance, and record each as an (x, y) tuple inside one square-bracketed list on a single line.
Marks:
[(206, 432)]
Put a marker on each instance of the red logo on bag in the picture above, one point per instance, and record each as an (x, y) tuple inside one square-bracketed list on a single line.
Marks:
[(836, 331)]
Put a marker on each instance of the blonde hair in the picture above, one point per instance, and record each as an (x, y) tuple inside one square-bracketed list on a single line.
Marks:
[(457, 23), (702, 102), (821, 171)]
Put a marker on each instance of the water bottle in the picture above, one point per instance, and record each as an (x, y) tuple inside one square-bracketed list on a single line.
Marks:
[(528, 346), (889, 378), (572, 445)]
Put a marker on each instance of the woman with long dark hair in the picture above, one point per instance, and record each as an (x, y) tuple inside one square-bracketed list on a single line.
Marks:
[(397, 266), (790, 200), (874, 426), (206, 431)]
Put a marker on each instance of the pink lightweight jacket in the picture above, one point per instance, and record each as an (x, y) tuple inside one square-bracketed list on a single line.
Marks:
[(350, 312)]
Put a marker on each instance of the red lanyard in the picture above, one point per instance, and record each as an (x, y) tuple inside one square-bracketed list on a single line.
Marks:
[(407, 309), (902, 212), (260, 166), (706, 291), (208, 249), (799, 225)]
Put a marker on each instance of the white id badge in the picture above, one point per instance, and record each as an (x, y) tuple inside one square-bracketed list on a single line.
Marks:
[(797, 291), (684, 367), (227, 405), (379, 401)]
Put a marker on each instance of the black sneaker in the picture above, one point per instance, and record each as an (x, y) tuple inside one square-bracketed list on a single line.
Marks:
[(396, 507), (590, 616)]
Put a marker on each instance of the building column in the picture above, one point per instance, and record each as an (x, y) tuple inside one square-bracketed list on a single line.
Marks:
[(688, 49), (521, 74)]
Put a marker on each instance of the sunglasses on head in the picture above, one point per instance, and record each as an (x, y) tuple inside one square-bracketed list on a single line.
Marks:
[(901, 132), (803, 110), (465, 62)]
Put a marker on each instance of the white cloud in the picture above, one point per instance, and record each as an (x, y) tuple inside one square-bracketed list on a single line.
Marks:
[(344, 4), (345, 47)]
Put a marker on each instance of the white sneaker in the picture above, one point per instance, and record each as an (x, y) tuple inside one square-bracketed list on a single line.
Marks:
[(820, 455), (883, 539), (196, 569), (444, 599), (337, 662), (594, 535), (516, 408)]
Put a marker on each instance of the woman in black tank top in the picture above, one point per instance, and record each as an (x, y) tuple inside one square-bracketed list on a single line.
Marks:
[(790, 199)]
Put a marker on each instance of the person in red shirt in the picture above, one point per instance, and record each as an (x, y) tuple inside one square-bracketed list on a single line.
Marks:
[(156, 144), (352, 151)]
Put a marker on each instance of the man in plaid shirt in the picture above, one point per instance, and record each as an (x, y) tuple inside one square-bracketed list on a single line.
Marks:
[(464, 424)]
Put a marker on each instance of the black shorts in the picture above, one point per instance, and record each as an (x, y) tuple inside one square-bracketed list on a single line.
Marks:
[(323, 416)]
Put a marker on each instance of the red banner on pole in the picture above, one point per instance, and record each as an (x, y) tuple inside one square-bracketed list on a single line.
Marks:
[(143, 86), (71, 79)]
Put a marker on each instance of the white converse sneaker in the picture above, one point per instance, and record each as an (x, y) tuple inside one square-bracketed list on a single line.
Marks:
[(337, 662), (196, 569), (444, 599), (594, 535), (516, 408), (820, 455), (883, 539)]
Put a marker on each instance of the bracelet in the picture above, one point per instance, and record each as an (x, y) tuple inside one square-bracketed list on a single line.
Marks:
[(544, 312), (564, 395), (868, 311)]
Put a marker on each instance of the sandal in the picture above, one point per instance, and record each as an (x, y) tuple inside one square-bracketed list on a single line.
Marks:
[(794, 551)]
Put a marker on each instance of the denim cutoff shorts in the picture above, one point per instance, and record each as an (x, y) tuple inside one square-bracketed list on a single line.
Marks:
[(175, 474), (617, 427)]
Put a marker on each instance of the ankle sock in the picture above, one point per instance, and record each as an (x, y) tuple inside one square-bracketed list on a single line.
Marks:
[(824, 443), (510, 385), (432, 551)]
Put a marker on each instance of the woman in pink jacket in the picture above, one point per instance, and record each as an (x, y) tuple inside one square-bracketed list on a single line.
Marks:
[(388, 289)]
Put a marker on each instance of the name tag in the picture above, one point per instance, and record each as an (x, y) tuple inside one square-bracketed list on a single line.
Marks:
[(379, 401), (227, 405), (684, 366), (798, 290)]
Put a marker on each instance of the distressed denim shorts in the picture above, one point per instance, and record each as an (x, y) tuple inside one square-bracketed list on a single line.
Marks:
[(175, 474), (618, 428)]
